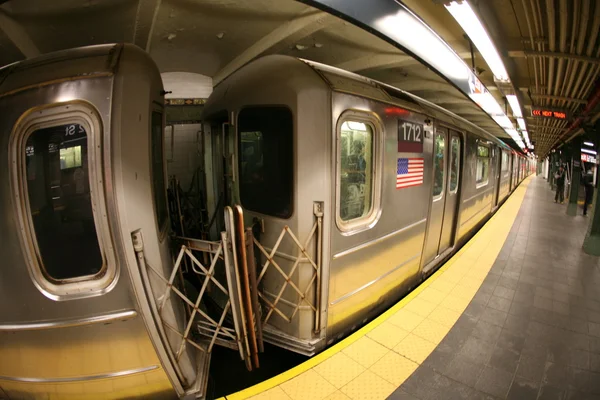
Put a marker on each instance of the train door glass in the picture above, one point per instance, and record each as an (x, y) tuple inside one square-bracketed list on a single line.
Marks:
[(496, 162), (452, 195), (436, 213), (58, 188), (266, 160)]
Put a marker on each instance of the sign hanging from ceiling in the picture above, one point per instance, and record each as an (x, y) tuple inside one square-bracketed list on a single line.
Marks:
[(588, 158), (548, 113)]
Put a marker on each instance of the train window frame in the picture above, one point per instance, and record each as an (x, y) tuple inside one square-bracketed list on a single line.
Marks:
[(47, 116), (238, 191), (450, 162), (369, 220), (443, 134), (161, 226), (482, 183), (505, 166)]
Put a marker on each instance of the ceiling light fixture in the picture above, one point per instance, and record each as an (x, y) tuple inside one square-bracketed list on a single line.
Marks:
[(465, 16), (514, 105), (421, 40), (589, 144), (521, 123), (589, 151), (503, 121)]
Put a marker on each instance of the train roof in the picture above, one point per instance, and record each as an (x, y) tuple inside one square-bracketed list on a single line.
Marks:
[(81, 62), (391, 94)]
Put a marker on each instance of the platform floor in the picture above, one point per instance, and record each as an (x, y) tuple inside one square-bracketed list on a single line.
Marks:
[(514, 314)]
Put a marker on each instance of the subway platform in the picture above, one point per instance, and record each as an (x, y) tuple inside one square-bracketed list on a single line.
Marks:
[(515, 314)]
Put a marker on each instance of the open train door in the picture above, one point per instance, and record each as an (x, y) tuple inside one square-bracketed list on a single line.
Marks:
[(198, 301)]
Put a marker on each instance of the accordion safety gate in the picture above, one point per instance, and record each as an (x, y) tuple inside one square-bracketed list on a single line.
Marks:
[(229, 273)]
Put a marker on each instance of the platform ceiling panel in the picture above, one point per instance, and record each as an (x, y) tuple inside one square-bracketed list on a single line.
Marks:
[(550, 47), (63, 24)]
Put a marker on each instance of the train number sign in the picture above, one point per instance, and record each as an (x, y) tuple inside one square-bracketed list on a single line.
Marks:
[(410, 137)]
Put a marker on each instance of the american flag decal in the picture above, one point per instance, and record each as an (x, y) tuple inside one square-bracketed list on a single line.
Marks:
[(409, 173)]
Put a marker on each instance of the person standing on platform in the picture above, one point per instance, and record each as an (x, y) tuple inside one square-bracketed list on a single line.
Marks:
[(588, 185), (560, 185)]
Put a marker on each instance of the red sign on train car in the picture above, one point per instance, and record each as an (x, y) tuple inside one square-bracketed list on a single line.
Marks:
[(410, 137)]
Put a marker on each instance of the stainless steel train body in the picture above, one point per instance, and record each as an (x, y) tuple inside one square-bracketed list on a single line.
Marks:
[(374, 257), (79, 130), (356, 191)]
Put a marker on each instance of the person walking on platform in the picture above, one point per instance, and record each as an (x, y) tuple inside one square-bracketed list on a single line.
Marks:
[(588, 185), (560, 185)]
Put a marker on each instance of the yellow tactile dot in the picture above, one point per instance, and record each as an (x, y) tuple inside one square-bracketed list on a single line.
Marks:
[(415, 348), (272, 394), (451, 278), (456, 303), (463, 292), (308, 385), (420, 307), (405, 319), (442, 286), (431, 331), (388, 334), (432, 295), (365, 351), (394, 368), (368, 386), (339, 369), (337, 395), (444, 316)]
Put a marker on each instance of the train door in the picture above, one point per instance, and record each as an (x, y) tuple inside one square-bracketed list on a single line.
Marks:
[(497, 159), (452, 195)]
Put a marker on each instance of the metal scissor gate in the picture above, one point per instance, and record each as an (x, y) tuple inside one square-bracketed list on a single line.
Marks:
[(226, 307)]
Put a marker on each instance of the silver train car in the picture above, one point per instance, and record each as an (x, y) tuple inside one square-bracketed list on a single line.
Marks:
[(330, 196)]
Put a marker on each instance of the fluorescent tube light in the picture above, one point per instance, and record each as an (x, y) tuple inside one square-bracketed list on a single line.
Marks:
[(521, 123), (464, 15), (526, 137), (503, 121), (487, 102), (421, 40), (514, 105), (589, 144), (589, 151)]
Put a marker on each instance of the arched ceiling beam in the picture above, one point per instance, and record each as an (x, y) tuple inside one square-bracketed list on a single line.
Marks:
[(145, 19), (17, 34), (307, 22)]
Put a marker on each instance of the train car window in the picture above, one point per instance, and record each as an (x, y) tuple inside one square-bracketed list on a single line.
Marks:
[(266, 160), (438, 164), (505, 163), (158, 171), (454, 163), (58, 187), (483, 165), (356, 170)]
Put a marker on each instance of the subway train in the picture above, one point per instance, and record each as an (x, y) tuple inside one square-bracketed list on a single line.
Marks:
[(328, 197)]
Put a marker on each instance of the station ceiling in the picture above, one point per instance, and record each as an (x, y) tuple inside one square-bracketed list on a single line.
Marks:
[(551, 48)]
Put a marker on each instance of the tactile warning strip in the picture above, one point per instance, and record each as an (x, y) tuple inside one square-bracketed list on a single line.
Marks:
[(372, 362)]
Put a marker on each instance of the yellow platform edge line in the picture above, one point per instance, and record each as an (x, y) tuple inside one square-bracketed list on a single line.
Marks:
[(333, 350)]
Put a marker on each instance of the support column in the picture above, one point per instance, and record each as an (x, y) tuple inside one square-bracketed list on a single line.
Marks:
[(591, 243), (553, 159), (575, 153)]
